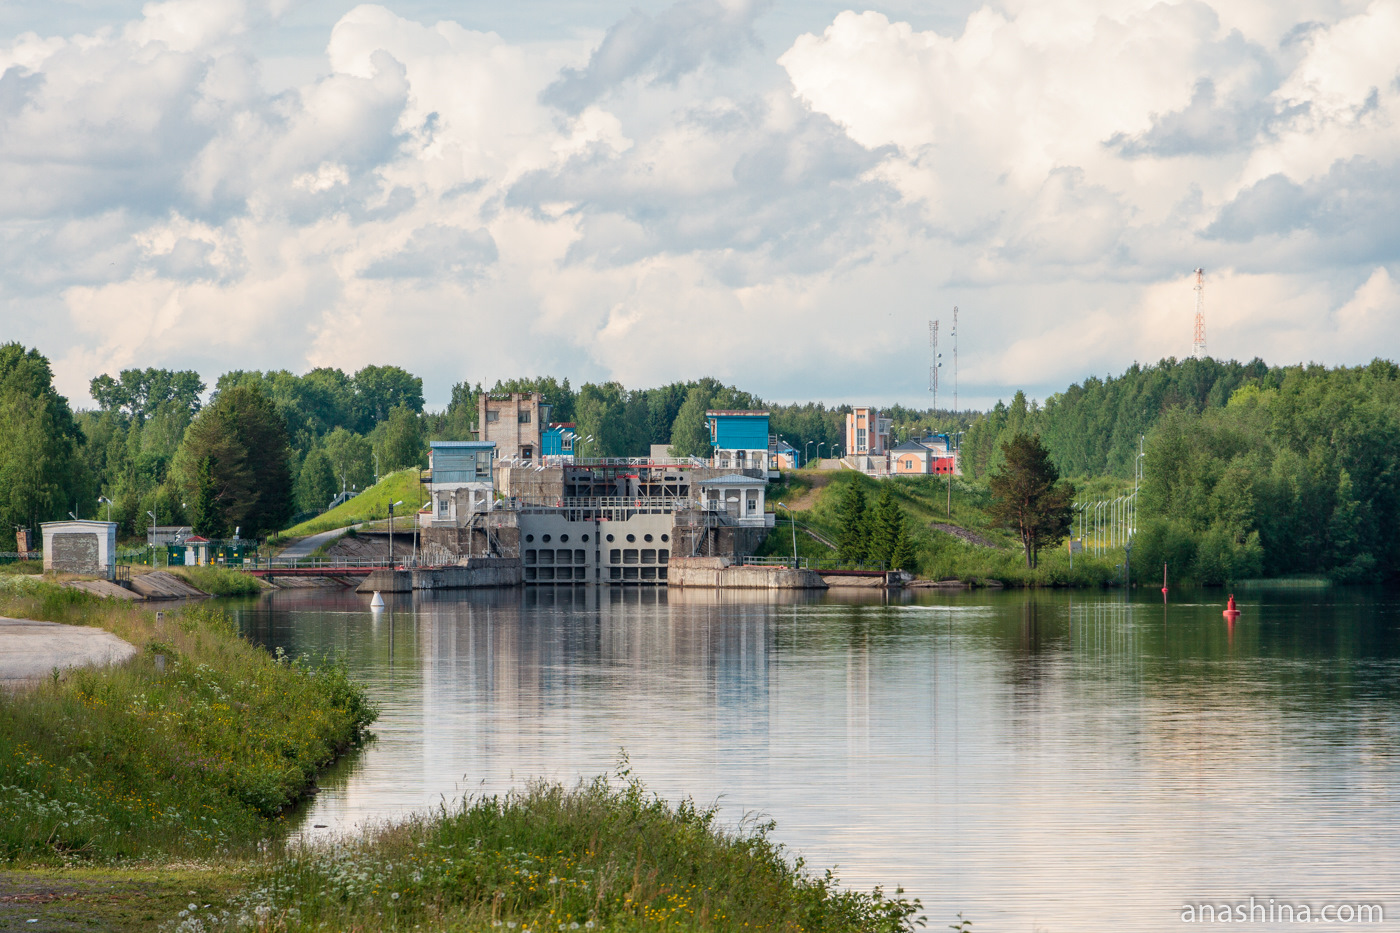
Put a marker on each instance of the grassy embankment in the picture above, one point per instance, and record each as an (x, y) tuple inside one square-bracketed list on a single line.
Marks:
[(220, 581), (196, 760), (370, 505), (132, 800), (815, 497)]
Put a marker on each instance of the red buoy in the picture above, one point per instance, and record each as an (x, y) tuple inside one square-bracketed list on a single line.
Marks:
[(1231, 613)]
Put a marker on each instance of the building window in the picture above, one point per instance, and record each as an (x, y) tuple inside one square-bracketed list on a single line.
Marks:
[(492, 415), (527, 453), (753, 505), (860, 439), (442, 505), (524, 416)]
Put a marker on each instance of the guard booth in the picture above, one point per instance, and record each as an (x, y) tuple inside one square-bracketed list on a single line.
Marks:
[(83, 547)]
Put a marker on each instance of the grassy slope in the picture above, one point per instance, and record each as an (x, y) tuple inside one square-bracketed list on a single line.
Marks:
[(369, 505), (940, 556), (128, 762), (220, 581)]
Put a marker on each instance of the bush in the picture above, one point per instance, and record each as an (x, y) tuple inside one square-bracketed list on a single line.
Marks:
[(546, 858)]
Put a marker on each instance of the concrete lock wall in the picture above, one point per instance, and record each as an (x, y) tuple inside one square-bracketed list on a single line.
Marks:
[(475, 572), (718, 572)]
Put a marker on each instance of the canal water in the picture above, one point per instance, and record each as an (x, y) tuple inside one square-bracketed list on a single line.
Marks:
[(1038, 762)]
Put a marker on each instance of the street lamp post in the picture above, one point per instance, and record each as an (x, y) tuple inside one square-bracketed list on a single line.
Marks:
[(154, 525), (793, 523), (820, 445), (807, 447), (109, 506), (391, 530)]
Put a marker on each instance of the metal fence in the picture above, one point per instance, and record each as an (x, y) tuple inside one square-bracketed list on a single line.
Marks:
[(800, 563), (640, 461)]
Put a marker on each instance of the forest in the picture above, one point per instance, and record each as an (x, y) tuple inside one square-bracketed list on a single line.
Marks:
[(1247, 469)]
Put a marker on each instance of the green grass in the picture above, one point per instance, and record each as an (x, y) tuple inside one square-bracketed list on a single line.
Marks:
[(127, 761), (939, 555), (369, 505), (601, 856), (219, 581)]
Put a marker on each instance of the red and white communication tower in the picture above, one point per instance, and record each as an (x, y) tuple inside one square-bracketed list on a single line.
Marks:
[(1198, 344)]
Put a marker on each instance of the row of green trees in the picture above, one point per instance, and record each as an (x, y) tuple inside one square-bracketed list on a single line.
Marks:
[(877, 532), (1293, 475), (1093, 428)]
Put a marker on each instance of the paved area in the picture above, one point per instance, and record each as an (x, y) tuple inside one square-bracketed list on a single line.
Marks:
[(30, 650), (305, 546)]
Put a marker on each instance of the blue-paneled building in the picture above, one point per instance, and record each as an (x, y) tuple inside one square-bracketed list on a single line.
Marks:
[(460, 478), (740, 439), (558, 440)]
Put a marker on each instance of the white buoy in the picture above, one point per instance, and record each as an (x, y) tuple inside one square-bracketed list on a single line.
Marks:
[(377, 602)]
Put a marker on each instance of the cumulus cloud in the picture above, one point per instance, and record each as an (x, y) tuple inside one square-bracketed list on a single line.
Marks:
[(674, 200), (660, 49)]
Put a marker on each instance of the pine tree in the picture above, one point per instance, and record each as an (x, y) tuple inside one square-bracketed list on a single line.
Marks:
[(1028, 496), (854, 537)]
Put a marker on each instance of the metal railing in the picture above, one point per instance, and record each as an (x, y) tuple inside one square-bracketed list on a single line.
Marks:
[(770, 562), (640, 461), (318, 563), (833, 564), (669, 503)]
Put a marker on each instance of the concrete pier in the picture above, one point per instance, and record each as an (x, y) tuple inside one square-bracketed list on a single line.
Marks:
[(722, 573), (474, 572)]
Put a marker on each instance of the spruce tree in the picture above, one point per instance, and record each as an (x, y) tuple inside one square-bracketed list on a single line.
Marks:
[(209, 518), (854, 537), (885, 523)]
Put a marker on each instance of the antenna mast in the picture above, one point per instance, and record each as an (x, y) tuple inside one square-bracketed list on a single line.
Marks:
[(1198, 344), (955, 359), (933, 362)]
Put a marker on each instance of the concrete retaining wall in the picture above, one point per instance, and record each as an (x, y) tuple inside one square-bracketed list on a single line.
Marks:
[(718, 572), (473, 573)]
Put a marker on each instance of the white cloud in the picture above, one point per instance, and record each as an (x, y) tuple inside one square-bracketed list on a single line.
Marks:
[(671, 200)]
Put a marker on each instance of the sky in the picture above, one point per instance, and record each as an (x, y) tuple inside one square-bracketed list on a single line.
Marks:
[(777, 194)]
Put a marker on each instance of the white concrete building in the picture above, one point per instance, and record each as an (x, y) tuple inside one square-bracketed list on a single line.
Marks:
[(81, 547)]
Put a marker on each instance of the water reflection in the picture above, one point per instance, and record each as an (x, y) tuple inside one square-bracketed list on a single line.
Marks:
[(1050, 761)]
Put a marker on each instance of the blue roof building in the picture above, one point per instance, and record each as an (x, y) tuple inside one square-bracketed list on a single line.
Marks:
[(740, 439)]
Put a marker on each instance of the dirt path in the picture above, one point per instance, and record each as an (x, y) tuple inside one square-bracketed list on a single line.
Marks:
[(29, 651), (971, 537), (808, 497)]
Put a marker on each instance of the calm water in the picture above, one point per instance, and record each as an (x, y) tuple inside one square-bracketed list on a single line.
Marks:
[(1040, 763)]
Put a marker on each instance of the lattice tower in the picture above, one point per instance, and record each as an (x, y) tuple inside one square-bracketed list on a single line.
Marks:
[(933, 361), (1198, 343)]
